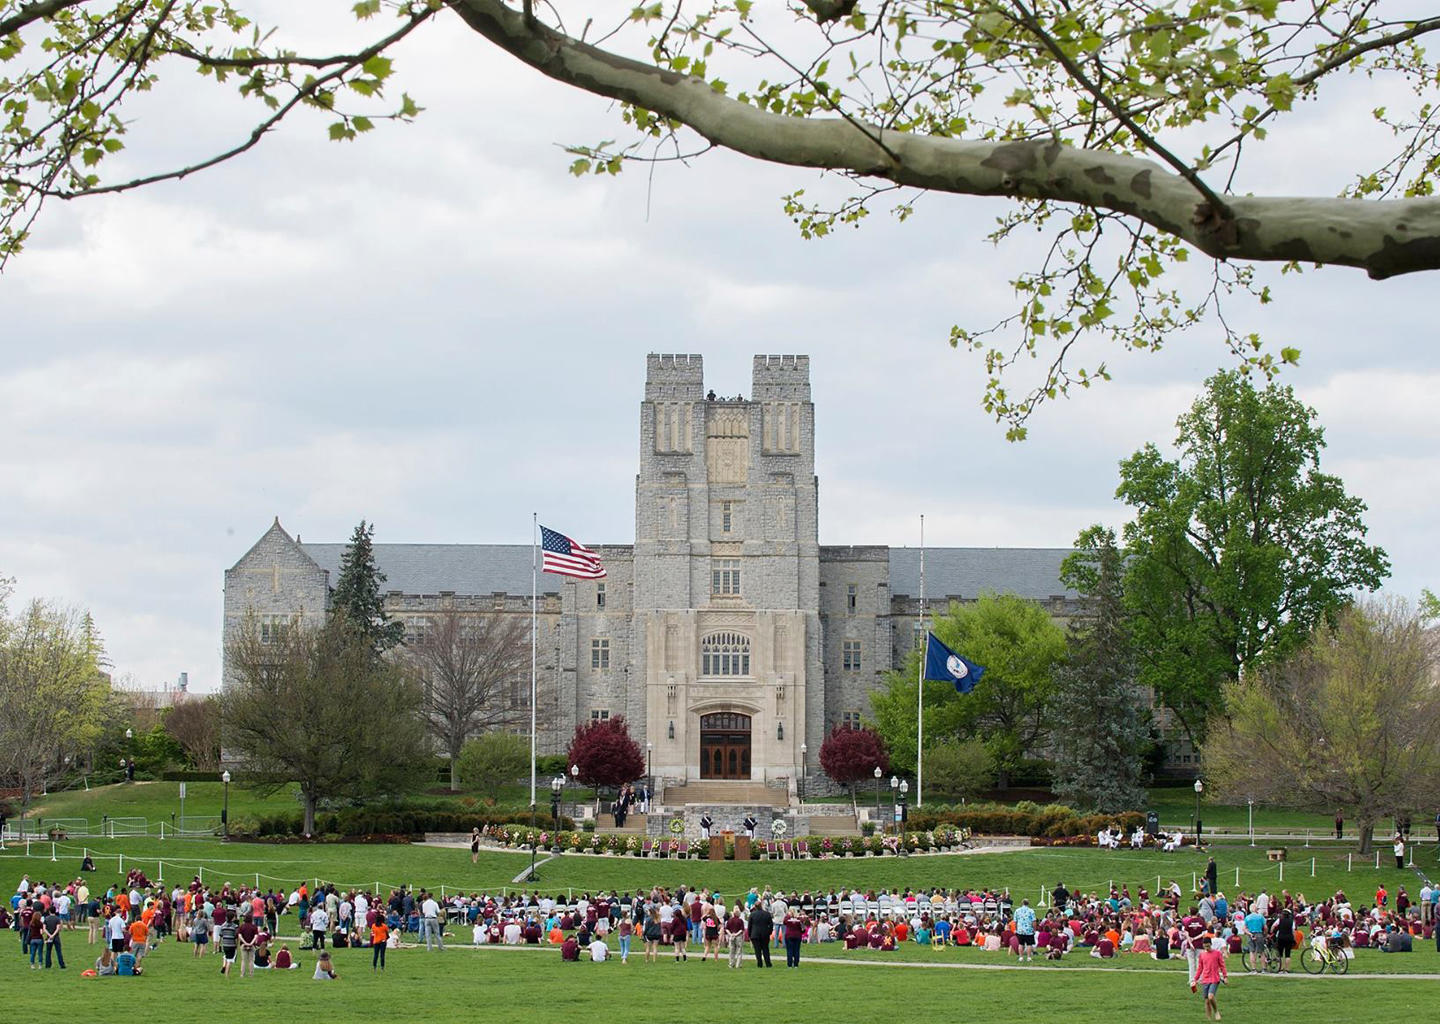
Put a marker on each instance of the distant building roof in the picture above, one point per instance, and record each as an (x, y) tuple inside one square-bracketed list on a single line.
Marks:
[(457, 568), (1032, 573)]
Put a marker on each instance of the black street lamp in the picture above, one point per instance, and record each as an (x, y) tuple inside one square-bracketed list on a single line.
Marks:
[(878, 773), (556, 785), (1199, 788), (804, 767), (904, 816), (649, 777), (894, 798), (225, 808)]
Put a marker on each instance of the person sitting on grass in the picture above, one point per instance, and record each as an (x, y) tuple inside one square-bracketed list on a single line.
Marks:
[(283, 960), (325, 969), (570, 949), (106, 964)]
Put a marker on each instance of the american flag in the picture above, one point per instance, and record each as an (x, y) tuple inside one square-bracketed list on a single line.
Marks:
[(565, 557)]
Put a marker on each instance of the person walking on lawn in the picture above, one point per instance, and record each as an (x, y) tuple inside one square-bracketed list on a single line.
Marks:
[(1209, 975)]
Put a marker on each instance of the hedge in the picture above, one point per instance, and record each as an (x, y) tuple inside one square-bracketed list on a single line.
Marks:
[(361, 822)]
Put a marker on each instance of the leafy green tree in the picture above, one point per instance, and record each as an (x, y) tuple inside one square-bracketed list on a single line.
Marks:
[(1019, 645), (194, 723), (315, 706), (1349, 721), (489, 761), (1239, 547), (1099, 716), (961, 768), (1122, 132), (357, 598), (53, 694)]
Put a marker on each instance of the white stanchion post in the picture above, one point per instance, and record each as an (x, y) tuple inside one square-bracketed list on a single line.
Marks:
[(1348, 865), (257, 879), (53, 858), (1377, 860), (1312, 867), (121, 867), (1237, 878), (1282, 871), (160, 871), (1194, 881)]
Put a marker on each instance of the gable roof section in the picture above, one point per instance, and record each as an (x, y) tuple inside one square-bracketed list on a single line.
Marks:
[(432, 568), (1032, 573), (276, 535)]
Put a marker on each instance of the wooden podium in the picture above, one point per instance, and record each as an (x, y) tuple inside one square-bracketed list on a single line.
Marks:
[(717, 846), (742, 847)]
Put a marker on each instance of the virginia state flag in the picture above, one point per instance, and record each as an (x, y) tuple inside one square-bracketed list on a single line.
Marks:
[(942, 665)]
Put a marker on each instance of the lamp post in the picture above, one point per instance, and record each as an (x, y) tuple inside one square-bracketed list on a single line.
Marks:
[(804, 767), (1251, 802), (1199, 788), (904, 816), (556, 785), (894, 797), (878, 773), (127, 763), (649, 777), (225, 807)]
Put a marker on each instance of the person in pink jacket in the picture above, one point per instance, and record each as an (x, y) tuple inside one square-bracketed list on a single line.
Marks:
[(1209, 975)]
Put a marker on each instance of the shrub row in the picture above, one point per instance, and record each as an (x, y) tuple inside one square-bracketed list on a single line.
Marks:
[(1052, 821), (520, 837), (361, 822)]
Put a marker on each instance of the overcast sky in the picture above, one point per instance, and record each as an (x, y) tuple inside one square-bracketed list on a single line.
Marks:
[(440, 330)]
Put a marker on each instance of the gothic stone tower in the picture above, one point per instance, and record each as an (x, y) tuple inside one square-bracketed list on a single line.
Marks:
[(726, 572)]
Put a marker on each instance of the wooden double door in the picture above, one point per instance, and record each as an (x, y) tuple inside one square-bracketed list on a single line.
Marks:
[(725, 746)]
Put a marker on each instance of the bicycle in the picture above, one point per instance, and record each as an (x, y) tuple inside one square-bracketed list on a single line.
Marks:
[(1266, 961), (1318, 959)]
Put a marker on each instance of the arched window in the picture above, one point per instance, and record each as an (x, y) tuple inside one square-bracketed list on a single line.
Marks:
[(725, 654)]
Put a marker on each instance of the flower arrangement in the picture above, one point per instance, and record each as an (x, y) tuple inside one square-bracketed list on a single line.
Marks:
[(778, 828), (632, 844), (891, 844), (677, 826)]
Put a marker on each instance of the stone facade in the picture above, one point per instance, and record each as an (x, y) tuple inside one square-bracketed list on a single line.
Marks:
[(726, 635)]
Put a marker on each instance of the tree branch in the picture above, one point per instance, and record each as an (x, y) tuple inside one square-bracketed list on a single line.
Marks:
[(1385, 238), (31, 13)]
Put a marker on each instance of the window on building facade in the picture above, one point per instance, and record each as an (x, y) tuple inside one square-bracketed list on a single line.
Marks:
[(599, 715), (727, 516), (850, 596), (415, 631), (271, 627), (725, 654), (850, 656), (850, 719), (725, 576), (600, 654), (599, 595)]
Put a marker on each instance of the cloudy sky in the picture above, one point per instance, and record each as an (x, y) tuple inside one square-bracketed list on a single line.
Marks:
[(440, 330)]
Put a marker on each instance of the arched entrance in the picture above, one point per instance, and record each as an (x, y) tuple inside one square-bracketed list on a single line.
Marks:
[(725, 745)]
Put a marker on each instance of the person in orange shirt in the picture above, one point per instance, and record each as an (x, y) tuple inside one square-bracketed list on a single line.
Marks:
[(902, 932), (379, 937), (139, 939), (122, 903)]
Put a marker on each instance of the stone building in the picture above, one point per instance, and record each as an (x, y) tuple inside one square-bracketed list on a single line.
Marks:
[(728, 637)]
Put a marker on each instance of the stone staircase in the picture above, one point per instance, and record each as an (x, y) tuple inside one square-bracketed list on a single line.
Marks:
[(713, 792), (605, 824)]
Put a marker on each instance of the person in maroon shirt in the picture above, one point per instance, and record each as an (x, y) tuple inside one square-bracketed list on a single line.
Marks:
[(680, 933), (793, 927)]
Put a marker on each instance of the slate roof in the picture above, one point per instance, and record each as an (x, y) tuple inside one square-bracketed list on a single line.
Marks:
[(505, 568), (431, 568), (1032, 573)]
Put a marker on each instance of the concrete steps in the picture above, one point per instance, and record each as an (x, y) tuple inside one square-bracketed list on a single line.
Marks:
[(717, 793), (636, 823)]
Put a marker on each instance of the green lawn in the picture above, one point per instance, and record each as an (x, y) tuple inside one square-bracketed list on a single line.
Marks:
[(869, 986), (460, 983)]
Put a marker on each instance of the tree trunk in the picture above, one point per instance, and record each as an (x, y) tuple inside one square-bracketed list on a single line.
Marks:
[(309, 827), (454, 773), (1367, 836)]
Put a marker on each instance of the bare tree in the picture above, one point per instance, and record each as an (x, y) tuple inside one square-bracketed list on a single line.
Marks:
[(1351, 723), (195, 725), (472, 669)]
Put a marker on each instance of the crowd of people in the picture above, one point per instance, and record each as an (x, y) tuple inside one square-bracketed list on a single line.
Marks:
[(241, 925)]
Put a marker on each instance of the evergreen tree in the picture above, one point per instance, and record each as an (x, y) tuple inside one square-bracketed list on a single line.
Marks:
[(1099, 715), (356, 596)]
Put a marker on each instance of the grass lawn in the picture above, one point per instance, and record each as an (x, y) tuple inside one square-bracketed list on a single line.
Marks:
[(866, 986), (461, 983)]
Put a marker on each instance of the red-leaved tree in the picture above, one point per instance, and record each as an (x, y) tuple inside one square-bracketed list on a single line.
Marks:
[(851, 755), (605, 753)]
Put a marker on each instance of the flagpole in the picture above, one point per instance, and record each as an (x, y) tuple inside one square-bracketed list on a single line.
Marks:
[(534, 605), (920, 680)]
